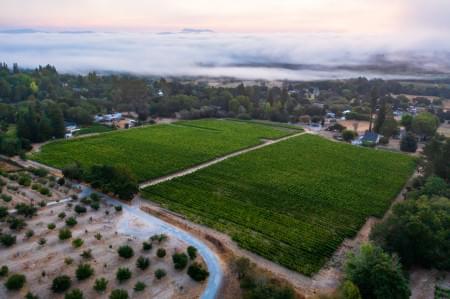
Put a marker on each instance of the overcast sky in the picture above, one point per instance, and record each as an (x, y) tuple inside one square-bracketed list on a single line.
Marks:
[(353, 16)]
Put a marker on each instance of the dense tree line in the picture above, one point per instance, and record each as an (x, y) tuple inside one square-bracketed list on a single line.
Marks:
[(39, 100)]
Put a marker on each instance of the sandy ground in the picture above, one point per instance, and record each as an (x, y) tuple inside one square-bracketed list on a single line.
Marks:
[(25, 194), (444, 129), (42, 263)]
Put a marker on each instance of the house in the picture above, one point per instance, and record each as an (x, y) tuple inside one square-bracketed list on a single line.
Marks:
[(331, 115), (370, 138), (108, 117), (71, 128)]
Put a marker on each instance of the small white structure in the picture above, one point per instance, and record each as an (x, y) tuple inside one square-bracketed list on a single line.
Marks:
[(108, 117)]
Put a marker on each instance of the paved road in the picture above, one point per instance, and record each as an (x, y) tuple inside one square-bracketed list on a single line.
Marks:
[(215, 161)]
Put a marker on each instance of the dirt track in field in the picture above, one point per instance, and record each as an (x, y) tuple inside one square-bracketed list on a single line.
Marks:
[(214, 161)]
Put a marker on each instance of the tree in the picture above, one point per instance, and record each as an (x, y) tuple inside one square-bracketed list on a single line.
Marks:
[(73, 171), (61, 284), (15, 282), (119, 294), (417, 230), (125, 251), (65, 234), (437, 152), (197, 272), (71, 221), (406, 121), (123, 274), (389, 128), (381, 116), (349, 290), (84, 271), (80, 209), (7, 240), (56, 120), (161, 252), (425, 125), (74, 294), (142, 263), (26, 210), (180, 260), (376, 273), (160, 273), (30, 295), (100, 284), (4, 270), (408, 143), (192, 252), (348, 135), (139, 286)]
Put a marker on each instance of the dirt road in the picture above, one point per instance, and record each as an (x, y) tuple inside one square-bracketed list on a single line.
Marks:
[(215, 161)]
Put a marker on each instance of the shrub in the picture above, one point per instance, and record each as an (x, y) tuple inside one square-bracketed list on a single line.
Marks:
[(26, 210), (40, 172), (118, 208), (68, 261), (61, 284), (77, 243), (180, 260), (100, 284), (123, 274), (139, 286), (80, 209), (87, 254), (4, 270), (348, 135), (61, 181), (119, 294), (45, 191), (376, 273), (65, 234), (15, 282), (42, 241), (62, 215), (197, 273), (95, 197), (408, 143), (98, 236), (349, 290), (24, 181), (29, 233), (84, 271), (16, 223), (125, 251), (3, 212), (192, 252), (51, 226), (74, 294), (71, 221), (6, 198), (7, 240), (161, 252), (160, 273), (35, 186), (160, 238), (142, 263), (95, 206), (146, 246), (30, 295)]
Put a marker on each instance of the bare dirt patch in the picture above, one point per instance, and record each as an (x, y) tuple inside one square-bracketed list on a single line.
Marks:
[(42, 263)]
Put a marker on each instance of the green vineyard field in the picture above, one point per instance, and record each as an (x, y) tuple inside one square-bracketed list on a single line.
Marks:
[(293, 202), (159, 150)]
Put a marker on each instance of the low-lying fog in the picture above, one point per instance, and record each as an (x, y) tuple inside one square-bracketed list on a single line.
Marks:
[(248, 56)]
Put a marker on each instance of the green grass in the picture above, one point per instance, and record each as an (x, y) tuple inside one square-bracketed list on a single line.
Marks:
[(95, 128), (293, 202), (159, 150)]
